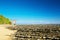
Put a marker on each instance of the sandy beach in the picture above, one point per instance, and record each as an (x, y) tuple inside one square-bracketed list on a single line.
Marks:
[(4, 32)]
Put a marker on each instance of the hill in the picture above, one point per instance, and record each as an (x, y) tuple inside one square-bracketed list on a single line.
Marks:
[(4, 20)]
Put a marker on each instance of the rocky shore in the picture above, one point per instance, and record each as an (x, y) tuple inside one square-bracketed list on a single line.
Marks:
[(38, 32)]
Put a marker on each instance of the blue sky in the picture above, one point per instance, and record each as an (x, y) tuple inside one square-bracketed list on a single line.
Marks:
[(31, 11)]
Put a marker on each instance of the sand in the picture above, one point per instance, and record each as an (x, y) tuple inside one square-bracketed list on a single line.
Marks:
[(4, 32)]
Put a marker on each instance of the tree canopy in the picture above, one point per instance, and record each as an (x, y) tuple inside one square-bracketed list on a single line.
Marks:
[(4, 20)]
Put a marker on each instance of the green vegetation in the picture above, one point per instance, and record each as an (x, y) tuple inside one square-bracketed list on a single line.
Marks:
[(4, 20)]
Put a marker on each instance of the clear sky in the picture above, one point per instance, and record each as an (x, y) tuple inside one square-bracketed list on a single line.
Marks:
[(31, 11)]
